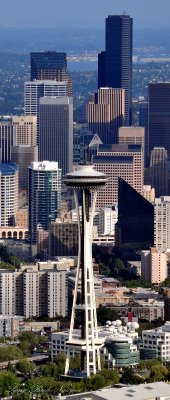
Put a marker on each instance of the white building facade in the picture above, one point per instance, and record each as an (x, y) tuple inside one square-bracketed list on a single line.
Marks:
[(162, 223)]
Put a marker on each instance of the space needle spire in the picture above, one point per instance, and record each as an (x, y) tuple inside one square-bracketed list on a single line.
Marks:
[(85, 180)]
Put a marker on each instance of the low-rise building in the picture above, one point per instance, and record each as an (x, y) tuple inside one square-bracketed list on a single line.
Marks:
[(156, 343), (123, 338), (145, 391), (10, 325)]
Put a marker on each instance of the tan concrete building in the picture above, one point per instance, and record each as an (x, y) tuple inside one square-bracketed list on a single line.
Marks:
[(25, 130), (106, 113), (153, 265), (118, 160), (22, 218), (131, 135), (111, 297), (13, 232)]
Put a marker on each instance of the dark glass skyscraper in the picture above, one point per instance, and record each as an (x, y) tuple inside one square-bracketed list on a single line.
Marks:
[(115, 63), (50, 65), (135, 226), (159, 115)]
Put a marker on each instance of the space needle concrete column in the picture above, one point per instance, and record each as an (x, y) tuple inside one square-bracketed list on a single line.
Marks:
[(83, 181)]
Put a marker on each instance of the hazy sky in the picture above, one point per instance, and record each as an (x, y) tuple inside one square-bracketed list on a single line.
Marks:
[(82, 13)]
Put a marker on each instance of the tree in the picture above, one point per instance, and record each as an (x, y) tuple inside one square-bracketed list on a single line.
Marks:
[(75, 362), (26, 348), (25, 366), (104, 314), (104, 270), (8, 380), (111, 376), (9, 353), (50, 369), (129, 377), (97, 382), (21, 395), (158, 372), (39, 384), (14, 261), (118, 264)]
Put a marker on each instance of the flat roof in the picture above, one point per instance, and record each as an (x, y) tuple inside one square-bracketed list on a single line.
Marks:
[(148, 391), (135, 392)]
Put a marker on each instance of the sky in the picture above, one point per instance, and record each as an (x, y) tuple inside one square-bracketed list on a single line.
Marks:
[(82, 13)]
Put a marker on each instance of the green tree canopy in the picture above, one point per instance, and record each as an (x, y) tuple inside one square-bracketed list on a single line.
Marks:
[(25, 366), (8, 381), (9, 353)]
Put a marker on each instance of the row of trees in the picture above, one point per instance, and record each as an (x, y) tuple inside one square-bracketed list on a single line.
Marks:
[(45, 382)]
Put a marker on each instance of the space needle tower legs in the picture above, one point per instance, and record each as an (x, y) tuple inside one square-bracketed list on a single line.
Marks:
[(84, 180)]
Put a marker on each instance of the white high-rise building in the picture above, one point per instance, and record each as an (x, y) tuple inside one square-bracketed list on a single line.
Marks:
[(7, 292), (34, 90), (34, 293), (162, 223), (57, 284), (8, 193), (107, 219)]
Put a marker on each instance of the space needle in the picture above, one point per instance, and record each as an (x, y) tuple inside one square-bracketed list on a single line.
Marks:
[(85, 181)]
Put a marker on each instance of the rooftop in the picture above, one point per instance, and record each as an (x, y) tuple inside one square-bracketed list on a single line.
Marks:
[(120, 148), (49, 59), (148, 391), (45, 166), (8, 168)]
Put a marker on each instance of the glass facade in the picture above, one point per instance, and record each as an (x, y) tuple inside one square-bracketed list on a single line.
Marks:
[(135, 227)]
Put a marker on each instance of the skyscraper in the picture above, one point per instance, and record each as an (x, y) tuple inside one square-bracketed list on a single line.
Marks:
[(44, 196), (25, 130), (132, 135), (9, 193), (23, 155), (117, 160), (56, 131), (159, 115), (115, 63), (6, 141), (159, 171), (135, 225), (153, 265), (33, 91), (143, 121), (106, 113), (161, 223), (50, 65)]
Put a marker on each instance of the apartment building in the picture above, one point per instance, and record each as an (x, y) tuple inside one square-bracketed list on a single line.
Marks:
[(34, 293), (162, 223)]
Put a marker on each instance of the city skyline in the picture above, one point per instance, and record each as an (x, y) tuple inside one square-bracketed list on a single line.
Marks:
[(77, 14)]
